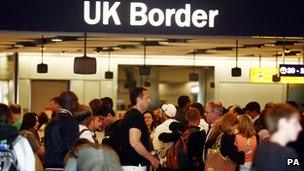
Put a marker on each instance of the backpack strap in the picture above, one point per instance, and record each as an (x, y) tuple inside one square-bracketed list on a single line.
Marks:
[(82, 131), (258, 139), (11, 147)]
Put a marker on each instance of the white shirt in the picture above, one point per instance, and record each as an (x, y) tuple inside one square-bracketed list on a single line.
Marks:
[(203, 125), (256, 118), (159, 146), (207, 137), (24, 154), (86, 134)]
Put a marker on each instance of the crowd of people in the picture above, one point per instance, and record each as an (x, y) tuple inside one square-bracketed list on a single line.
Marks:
[(184, 137)]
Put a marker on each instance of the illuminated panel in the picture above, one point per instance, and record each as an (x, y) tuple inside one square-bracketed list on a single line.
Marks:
[(292, 70), (264, 75)]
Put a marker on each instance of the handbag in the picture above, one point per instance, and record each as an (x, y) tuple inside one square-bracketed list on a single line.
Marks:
[(215, 161)]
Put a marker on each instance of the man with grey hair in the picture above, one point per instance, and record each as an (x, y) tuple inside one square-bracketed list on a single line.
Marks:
[(213, 112)]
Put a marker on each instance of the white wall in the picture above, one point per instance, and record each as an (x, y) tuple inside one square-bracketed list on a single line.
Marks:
[(60, 67), (95, 86), (243, 93)]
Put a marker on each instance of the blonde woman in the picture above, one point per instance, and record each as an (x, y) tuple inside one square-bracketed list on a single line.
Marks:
[(246, 137), (222, 143)]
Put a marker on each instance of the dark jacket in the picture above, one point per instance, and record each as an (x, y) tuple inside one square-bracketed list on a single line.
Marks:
[(181, 117), (298, 146), (229, 149), (9, 133), (112, 137), (60, 135), (195, 147)]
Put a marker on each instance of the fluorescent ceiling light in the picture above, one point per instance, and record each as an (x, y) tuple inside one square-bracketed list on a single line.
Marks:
[(56, 40), (163, 42), (18, 46)]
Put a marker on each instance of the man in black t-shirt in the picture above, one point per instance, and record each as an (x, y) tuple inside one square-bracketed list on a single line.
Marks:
[(134, 134)]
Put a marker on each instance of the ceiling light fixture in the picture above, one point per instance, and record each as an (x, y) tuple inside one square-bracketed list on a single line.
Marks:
[(147, 83), (236, 72), (42, 68), (18, 45), (193, 76), (284, 50), (144, 70), (269, 44), (116, 48), (85, 64), (261, 74), (109, 74), (56, 40), (164, 42), (276, 77), (287, 50)]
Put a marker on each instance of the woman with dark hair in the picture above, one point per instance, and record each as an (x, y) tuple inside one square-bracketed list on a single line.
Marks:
[(150, 120), (29, 130)]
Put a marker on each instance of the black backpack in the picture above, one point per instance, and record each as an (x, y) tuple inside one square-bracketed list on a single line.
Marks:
[(8, 160)]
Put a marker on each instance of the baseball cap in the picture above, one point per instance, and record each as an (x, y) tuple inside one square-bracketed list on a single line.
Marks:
[(169, 109)]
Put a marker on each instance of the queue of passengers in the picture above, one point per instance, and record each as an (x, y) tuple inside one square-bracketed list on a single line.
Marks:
[(184, 137)]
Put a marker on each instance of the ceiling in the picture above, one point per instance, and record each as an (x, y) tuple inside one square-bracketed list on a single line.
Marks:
[(156, 45)]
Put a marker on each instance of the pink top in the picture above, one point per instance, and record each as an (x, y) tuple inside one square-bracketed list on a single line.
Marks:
[(241, 142)]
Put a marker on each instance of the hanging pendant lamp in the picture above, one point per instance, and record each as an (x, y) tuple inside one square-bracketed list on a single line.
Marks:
[(42, 68), (85, 64), (144, 70), (236, 72), (193, 76), (276, 77), (109, 74)]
